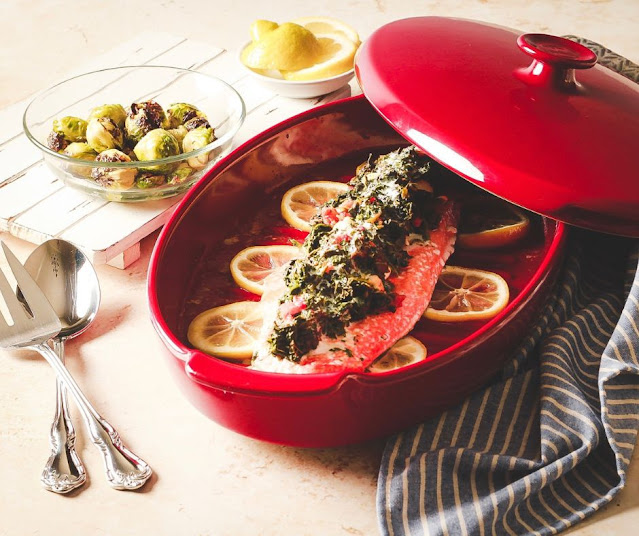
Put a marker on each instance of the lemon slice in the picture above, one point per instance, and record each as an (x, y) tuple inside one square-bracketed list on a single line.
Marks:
[(336, 56), (300, 203), (252, 265), (228, 331), (463, 294), (404, 352), (288, 47), (328, 25), (491, 223)]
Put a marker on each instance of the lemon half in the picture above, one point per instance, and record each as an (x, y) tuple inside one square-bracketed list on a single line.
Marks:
[(289, 47), (328, 26), (336, 56)]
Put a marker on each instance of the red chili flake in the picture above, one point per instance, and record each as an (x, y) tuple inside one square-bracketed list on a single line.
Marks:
[(373, 199), (417, 222)]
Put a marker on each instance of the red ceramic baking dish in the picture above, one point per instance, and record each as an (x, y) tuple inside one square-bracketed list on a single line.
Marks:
[(505, 112), (189, 273)]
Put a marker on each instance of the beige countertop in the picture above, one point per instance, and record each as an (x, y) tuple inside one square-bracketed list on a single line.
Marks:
[(208, 480)]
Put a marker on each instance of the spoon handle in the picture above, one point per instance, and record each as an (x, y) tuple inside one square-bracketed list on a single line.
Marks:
[(64, 471), (124, 469)]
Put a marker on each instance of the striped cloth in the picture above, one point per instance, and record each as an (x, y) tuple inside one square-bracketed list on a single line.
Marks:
[(550, 442)]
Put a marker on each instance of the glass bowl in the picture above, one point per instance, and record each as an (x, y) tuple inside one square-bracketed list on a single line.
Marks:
[(222, 105)]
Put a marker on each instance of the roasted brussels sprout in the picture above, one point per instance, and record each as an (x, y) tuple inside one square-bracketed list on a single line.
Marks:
[(178, 134), (197, 122), (196, 139), (115, 112), (80, 150), (181, 112), (71, 128), (142, 118), (182, 173), (157, 144), (149, 180), (117, 178), (56, 141), (103, 134)]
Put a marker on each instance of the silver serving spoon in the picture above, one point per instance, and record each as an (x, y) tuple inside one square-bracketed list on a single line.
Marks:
[(71, 285)]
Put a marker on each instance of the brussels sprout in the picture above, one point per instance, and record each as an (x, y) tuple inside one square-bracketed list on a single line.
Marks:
[(182, 173), (103, 134), (178, 134), (197, 122), (149, 180), (80, 150), (142, 118), (115, 112), (157, 144), (181, 112), (71, 128), (196, 139), (56, 141), (116, 178)]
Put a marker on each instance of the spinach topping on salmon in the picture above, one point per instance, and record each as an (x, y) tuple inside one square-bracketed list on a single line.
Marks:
[(357, 244)]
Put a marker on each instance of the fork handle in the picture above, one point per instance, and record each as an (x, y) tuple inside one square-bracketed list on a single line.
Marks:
[(64, 471), (124, 469)]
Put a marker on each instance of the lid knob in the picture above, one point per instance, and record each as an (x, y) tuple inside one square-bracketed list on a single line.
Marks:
[(554, 60)]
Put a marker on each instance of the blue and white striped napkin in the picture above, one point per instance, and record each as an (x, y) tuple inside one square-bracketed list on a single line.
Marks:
[(550, 443)]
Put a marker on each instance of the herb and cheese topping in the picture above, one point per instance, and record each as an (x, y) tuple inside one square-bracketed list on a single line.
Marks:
[(357, 244)]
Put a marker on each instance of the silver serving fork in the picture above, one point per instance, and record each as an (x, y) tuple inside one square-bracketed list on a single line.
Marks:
[(34, 323)]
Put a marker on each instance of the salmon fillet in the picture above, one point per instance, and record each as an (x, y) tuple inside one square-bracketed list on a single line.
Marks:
[(402, 255), (367, 339)]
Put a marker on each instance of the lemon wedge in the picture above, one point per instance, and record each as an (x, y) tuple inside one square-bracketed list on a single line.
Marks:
[(336, 56), (328, 26), (261, 27), (289, 47)]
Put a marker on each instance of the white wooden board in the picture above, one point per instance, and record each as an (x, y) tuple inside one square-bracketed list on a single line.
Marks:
[(36, 206)]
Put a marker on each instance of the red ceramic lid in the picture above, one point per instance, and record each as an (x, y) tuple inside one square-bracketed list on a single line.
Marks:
[(530, 118)]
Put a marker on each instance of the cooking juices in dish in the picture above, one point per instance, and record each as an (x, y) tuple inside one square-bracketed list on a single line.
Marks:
[(367, 269)]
